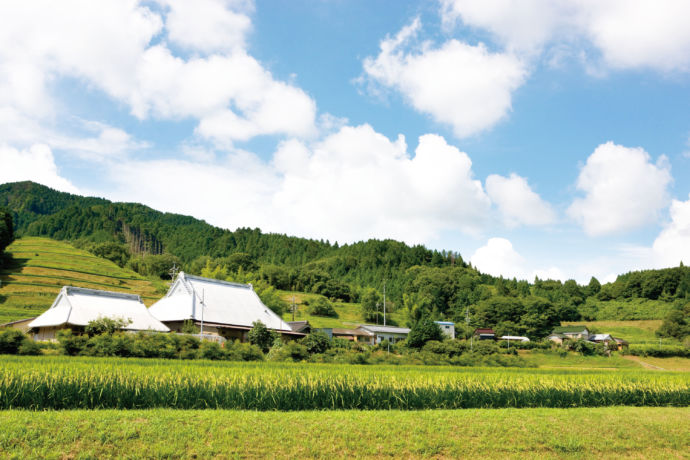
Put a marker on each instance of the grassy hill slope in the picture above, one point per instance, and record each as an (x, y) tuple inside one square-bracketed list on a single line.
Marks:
[(349, 314), (39, 267)]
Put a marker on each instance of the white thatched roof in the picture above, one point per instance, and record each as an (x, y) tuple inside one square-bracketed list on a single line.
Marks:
[(78, 306), (222, 302)]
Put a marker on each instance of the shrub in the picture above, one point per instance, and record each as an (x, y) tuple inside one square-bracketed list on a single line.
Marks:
[(106, 326), (291, 351), (659, 351), (423, 331), (29, 348), (260, 336), (10, 341), (316, 342), (211, 350), (71, 344), (321, 306)]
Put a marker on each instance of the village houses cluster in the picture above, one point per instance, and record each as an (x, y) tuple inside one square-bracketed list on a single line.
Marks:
[(223, 310)]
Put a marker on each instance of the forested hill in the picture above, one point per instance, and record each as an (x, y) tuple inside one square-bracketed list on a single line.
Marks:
[(144, 232), (420, 281)]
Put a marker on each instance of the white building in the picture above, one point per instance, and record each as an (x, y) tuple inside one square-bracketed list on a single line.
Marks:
[(75, 307), (380, 333), (447, 327), (224, 308)]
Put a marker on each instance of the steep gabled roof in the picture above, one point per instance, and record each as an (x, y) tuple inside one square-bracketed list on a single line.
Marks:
[(220, 302), (79, 306)]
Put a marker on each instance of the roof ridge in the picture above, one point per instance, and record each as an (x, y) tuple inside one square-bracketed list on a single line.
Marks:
[(97, 292), (215, 281)]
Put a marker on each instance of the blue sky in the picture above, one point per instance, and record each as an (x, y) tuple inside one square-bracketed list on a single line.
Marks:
[(547, 139)]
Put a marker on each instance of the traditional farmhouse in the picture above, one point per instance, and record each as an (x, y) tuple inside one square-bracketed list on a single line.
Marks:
[(380, 333), (447, 327), (485, 334), (75, 307), (221, 308)]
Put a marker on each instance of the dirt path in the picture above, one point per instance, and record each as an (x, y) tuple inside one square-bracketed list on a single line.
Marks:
[(644, 364)]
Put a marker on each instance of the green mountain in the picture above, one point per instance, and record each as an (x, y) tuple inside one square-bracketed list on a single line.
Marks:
[(419, 281)]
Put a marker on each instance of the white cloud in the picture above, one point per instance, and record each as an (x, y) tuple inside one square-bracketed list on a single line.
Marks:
[(354, 184), (628, 34), (673, 243), (117, 47), (498, 258), (467, 87), (516, 201), (208, 25), (35, 164), (623, 190)]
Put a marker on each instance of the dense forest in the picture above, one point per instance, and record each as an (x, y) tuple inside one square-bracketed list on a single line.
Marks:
[(426, 283)]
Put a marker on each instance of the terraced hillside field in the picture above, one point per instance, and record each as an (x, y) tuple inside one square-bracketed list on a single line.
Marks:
[(39, 267)]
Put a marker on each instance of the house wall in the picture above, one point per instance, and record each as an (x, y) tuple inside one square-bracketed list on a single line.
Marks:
[(392, 338), (448, 330)]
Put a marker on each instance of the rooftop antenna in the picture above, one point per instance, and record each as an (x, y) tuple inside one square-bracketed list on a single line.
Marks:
[(173, 272)]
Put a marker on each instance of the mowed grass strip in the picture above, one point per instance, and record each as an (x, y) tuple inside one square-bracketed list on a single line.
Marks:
[(50, 382), (614, 432)]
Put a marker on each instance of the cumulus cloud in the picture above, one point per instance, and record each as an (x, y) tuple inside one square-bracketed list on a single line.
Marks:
[(628, 34), (623, 190), (35, 164), (516, 201), (208, 25), (498, 258), (673, 243), (467, 87), (117, 47), (353, 184)]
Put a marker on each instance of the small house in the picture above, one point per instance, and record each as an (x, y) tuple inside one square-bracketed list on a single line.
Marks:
[(380, 333), (74, 308), (572, 332), (485, 334), (353, 335), (300, 326), (447, 327)]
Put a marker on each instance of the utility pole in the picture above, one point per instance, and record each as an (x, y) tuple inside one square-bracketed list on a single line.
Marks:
[(293, 307), (384, 302)]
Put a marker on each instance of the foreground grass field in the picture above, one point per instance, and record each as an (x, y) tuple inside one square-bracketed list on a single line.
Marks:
[(615, 432), (127, 383), (39, 267)]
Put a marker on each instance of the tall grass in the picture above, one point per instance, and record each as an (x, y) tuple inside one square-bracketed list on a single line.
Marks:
[(87, 383)]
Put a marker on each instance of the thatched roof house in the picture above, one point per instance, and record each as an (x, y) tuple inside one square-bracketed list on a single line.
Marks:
[(75, 307)]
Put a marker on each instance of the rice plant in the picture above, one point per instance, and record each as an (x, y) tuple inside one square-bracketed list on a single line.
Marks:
[(94, 383)]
